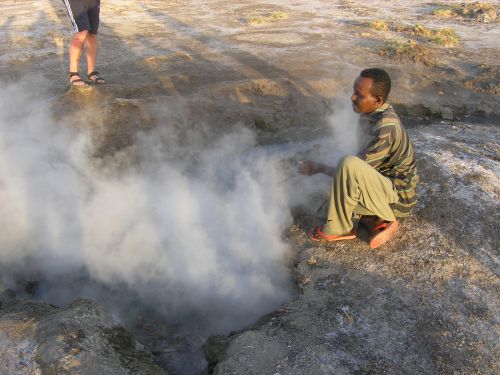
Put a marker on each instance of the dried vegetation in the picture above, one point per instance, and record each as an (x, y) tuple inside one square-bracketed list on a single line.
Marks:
[(409, 50), (378, 25), (482, 12), (261, 19), (442, 36), (446, 36), (414, 49)]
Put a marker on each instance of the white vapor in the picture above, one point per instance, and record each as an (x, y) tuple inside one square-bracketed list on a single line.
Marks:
[(184, 226), (344, 125), (342, 139)]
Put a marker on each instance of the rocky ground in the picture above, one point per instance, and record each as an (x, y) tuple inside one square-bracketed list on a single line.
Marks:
[(38, 338), (426, 303)]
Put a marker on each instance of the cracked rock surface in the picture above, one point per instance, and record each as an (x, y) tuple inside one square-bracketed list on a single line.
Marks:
[(38, 338)]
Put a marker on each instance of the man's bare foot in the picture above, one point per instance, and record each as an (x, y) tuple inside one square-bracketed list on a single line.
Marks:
[(95, 78), (75, 80)]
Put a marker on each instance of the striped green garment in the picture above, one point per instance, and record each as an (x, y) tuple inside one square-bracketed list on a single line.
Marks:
[(387, 148)]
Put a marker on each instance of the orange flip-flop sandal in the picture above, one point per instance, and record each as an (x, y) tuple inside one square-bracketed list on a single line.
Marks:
[(318, 235), (383, 233)]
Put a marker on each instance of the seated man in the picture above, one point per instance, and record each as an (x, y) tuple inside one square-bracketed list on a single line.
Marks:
[(380, 182)]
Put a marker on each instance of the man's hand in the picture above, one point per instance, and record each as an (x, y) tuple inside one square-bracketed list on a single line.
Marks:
[(309, 168)]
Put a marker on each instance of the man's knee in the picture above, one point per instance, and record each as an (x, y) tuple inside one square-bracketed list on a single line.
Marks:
[(79, 38)]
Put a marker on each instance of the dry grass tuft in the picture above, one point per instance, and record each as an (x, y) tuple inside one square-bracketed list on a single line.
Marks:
[(266, 18), (447, 11), (483, 12), (409, 50), (378, 25), (445, 37)]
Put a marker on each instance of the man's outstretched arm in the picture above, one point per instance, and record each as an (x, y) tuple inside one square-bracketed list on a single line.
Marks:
[(310, 168)]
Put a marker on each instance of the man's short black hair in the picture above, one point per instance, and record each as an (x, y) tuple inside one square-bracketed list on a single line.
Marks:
[(381, 85)]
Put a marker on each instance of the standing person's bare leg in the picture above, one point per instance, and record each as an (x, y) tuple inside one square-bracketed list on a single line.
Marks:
[(92, 47), (75, 55)]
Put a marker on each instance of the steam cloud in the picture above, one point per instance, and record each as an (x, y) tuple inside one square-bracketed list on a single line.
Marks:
[(183, 229), (187, 226)]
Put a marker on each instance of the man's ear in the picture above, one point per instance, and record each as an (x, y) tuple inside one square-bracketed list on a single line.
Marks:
[(378, 101)]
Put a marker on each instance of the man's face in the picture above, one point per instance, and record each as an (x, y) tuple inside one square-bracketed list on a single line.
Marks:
[(362, 100)]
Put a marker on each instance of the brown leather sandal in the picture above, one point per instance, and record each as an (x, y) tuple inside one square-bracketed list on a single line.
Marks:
[(76, 82), (96, 80)]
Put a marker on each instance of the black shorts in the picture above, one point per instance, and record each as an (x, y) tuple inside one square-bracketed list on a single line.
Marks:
[(84, 14)]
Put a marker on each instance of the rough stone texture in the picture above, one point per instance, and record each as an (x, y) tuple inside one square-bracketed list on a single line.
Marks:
[(447, 113), (38, 338)]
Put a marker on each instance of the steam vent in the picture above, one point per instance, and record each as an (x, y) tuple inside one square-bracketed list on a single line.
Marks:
[(156, 217)]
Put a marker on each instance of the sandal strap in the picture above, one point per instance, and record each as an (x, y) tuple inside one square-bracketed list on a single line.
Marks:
[(381, 226), (94, 73), (72, 74), (76, 83)]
